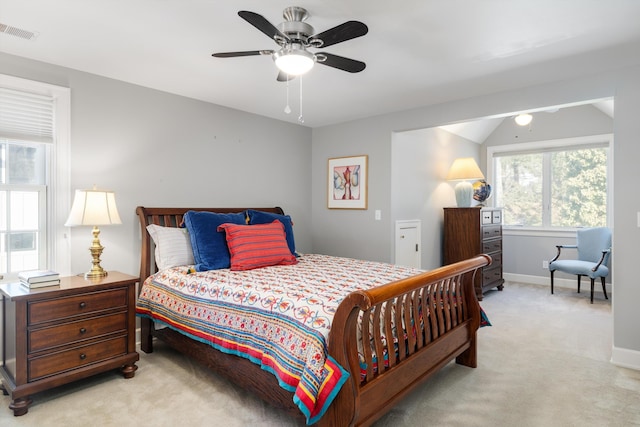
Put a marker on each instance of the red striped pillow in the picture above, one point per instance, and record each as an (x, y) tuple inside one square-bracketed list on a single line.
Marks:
[(259, 245)]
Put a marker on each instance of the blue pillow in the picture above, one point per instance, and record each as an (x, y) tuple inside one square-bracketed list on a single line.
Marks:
[(210, 250), (260, 217)]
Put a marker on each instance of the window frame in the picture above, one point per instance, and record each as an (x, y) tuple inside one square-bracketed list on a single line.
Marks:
[(58, 255), (548, 145)]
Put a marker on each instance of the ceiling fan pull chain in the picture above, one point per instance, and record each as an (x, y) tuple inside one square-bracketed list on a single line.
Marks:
[(287, 109), (300, 118)]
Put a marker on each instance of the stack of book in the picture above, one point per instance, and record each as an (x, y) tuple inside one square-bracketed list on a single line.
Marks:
[(39, 278)]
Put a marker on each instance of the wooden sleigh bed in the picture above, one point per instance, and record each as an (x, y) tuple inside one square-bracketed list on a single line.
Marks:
[(446, 331)]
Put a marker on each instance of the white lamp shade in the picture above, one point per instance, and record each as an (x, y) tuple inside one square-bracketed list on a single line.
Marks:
[(294, 62), (464, 169), (93, 207)]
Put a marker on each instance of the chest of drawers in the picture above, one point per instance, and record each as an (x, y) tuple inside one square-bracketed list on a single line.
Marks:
[(472, 231), (63, 333)]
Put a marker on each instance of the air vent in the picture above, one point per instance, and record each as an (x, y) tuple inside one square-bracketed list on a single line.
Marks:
[(18, 32)]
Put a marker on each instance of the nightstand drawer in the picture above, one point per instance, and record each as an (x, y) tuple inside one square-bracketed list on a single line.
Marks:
[(54, 363), (61, 308), (67, 333)]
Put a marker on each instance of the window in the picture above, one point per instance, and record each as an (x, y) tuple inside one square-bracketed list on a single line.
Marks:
[(23, 205), (33, 176), (553, 184)]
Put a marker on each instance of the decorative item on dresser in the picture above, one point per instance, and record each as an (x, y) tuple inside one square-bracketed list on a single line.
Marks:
[(463, 170), (471, 231), (59, 334)]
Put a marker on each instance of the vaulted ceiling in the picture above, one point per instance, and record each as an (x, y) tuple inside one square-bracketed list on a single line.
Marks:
[(417, 52)]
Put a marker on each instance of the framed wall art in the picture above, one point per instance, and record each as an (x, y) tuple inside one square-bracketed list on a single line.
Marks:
[(347, 182)]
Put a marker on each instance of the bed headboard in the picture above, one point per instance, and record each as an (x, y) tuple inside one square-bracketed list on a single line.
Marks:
[(171, 217)]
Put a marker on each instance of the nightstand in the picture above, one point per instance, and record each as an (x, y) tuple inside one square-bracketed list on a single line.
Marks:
[(59, 334)]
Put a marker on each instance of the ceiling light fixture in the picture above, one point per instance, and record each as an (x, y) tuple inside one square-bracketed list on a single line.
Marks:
[(294, 60), (523, 119)]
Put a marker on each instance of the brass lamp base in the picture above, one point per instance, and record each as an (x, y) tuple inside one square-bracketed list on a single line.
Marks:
[(96, 274), (96, 248)]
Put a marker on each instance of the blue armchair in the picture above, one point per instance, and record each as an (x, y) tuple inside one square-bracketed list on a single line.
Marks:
[(594, 248)]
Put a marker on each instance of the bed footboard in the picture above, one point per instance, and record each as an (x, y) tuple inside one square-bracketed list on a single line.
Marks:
[(394, 337)]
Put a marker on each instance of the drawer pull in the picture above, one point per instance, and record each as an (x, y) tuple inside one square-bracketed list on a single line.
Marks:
[(83, 356), (83, 330), (82, 304)]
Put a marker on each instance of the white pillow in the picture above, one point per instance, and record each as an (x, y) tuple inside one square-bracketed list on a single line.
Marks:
[(173, 246)]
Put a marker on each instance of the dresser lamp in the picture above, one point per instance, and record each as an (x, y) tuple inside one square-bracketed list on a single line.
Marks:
[(463, 170), (94, 207)]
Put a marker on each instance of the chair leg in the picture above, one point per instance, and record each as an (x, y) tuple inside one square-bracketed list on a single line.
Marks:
[(592, 283), (604, 288), (551, 282), (579, 283)]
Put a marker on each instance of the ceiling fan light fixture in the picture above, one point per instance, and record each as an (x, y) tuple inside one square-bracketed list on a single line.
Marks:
[(523, 119), (293, 61)]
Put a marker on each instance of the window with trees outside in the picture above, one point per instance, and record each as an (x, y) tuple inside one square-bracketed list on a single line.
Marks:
[(34, 180), (553, 184)]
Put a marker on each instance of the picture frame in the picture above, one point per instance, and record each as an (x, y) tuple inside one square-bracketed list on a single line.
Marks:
[(347, 182)]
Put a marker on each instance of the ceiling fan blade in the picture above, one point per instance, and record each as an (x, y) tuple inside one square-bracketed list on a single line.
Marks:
[(343, 32), (340, 62), (261, 23), (245, 53)]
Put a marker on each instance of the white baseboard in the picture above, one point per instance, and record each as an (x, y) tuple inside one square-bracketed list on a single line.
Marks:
[(557, 282), (625, 358)]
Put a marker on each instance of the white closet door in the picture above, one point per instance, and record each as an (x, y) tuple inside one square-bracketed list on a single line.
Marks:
[(408, 248)]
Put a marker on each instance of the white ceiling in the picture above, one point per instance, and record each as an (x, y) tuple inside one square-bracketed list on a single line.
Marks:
[(418, 52)]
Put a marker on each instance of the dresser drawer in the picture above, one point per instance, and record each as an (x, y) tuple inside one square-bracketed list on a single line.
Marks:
[(496, 260), (61, 308), (54, 363), (496, 217), (491, 231), (491, 275), (67, 333), (490, 246)]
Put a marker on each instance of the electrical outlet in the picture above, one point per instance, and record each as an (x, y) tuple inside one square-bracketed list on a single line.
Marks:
[(545, 264)]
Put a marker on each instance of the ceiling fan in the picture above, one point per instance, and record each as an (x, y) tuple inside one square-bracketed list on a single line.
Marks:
[(294, 36)]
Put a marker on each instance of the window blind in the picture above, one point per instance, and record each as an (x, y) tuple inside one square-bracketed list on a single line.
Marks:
[(26, 116)]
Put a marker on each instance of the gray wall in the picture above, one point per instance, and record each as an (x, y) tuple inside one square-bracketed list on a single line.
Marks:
[(523, 255), (120, 136), (355, 232), (157, 149), (420, 161)]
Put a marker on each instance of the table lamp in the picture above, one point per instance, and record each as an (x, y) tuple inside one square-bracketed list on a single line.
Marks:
[(463, 170), (94, 207)]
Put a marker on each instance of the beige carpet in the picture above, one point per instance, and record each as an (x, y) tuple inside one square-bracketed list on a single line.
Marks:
[(544, 362)]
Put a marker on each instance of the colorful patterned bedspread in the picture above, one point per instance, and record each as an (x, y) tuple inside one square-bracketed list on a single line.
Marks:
[(277, 317)]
